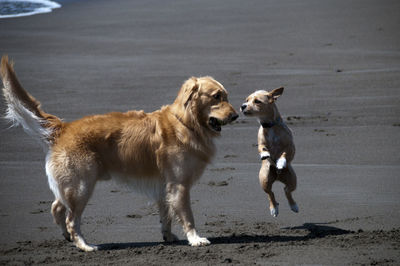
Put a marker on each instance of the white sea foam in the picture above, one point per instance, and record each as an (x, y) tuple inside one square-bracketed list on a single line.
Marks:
[(31, 7)]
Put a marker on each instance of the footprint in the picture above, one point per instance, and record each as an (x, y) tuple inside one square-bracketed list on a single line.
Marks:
[(134, 216)]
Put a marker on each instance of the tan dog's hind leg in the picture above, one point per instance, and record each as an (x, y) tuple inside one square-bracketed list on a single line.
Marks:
[(179, 200), (288, 177), (58, 211), (267, 178)]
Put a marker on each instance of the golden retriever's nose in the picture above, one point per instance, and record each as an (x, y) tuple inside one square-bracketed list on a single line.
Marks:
[(243, 107), (234, 117)]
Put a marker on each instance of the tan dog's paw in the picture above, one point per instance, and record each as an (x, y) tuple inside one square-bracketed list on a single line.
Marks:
[(294, 207), (264, 155), (281, 163), (274, 211)]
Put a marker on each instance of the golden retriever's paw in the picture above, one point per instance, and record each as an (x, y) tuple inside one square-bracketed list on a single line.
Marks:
[(195, 240), (67, 237), (294, 207), (92, 248), (87, 247), (170, 237), (274, 211), (199, 242)]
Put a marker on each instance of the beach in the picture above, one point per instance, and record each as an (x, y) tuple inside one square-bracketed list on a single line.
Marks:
[(339, 62)]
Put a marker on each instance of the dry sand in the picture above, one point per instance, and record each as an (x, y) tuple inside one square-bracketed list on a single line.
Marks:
[(340, 64)]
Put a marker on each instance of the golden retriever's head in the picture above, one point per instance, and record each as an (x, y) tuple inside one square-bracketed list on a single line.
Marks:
[(261, 103), (204, 102)]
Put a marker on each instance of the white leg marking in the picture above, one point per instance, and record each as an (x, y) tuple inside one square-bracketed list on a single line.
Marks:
[(264, 155), (275, 211), (195, 240), (281, 163)]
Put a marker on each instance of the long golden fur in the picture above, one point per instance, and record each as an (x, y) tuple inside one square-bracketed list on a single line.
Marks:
[(160, 153)]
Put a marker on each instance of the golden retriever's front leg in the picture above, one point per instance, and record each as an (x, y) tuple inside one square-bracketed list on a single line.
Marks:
[(178, 196), (165, 220)]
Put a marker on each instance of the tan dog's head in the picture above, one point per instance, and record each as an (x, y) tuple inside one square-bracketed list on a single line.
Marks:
[(204, 102), (261, 104)]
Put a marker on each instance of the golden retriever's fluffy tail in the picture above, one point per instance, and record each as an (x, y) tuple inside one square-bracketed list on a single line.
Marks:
[(23, 109)]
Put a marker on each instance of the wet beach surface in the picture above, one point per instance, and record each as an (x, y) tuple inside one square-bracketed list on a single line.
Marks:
[(339, 62)]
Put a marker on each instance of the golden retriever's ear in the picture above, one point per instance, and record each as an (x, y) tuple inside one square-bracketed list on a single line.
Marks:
[(274, 94), (190, 87)]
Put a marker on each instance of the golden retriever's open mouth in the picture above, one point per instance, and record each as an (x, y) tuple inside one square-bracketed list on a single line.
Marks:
[(216, 124)]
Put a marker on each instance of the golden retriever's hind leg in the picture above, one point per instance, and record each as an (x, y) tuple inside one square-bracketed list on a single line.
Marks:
[(165, 220), (73, 226), (76, 197), (58, 211), (73, 223), (179, 200)]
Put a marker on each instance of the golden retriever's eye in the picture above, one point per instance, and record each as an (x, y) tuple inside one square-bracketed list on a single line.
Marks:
[(257, 101), (217, 96)]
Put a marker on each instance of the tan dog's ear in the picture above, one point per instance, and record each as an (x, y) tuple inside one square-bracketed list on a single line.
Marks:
[(274, 94), (190, 87)]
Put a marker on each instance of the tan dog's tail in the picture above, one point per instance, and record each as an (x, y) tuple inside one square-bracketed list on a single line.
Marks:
[(23, 109)]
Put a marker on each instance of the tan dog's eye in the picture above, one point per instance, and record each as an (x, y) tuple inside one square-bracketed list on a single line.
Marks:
[(257, 101)]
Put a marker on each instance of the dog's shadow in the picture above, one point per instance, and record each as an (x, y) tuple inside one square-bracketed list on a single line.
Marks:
[(314, 231)]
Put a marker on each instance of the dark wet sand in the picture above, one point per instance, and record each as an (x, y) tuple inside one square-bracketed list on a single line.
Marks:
[(340, 64)]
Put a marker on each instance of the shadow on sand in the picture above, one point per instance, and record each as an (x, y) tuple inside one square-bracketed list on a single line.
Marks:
[(314, 231)]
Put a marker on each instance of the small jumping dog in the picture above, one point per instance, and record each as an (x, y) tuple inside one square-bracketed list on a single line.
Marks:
[(275, 145)]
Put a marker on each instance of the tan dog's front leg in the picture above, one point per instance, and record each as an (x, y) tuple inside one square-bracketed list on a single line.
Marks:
[(263, 151), (179, 200), (267, 178), (281, 162)]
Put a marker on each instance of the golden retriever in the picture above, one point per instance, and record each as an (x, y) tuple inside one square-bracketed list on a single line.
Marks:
[(160, 153), (275, 146)]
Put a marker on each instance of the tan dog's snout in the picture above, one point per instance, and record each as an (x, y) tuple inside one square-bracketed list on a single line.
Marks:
[(260, 102), (253, 103), (246, 108)]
